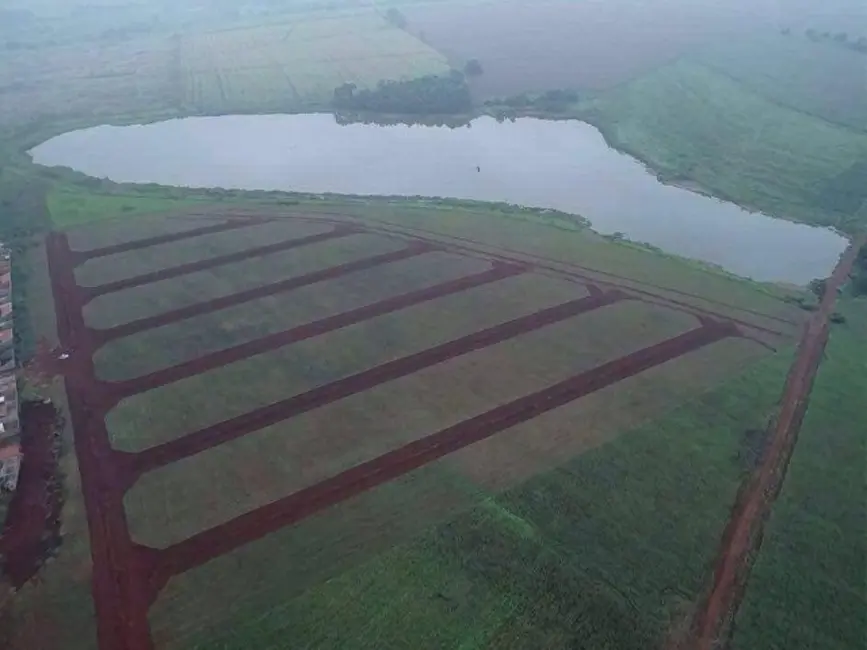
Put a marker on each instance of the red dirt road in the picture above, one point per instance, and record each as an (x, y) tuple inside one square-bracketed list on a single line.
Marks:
[(127, 577), (227, 430), (89, 293), (102, 336), (32, 525), (712, 623)]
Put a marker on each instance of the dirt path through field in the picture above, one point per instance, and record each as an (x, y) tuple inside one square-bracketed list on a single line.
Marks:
[(711, 625), (32, 525)]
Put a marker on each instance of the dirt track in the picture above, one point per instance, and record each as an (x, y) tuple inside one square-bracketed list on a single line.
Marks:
[(127, 576), (102, 336), (32, 525), (227, 430), (89, 293), (712, 624)]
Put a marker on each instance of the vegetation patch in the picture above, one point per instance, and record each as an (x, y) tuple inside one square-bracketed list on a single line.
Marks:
[(690, 123), (807, 585), (822, 79), (584, 556)]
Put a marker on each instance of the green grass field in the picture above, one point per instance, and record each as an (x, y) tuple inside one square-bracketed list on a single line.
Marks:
[(807, 589), (692, 124), (822, 79), (592, 526), (603, 552), (300, 62)]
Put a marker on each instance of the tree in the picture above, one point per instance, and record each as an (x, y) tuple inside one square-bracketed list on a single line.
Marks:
[(812, 34), (818, 287), (473, 68), (395, 17), (841, 37), (785, 31)]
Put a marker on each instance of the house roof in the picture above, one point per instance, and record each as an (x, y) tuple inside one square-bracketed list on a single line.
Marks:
[(10, 451)]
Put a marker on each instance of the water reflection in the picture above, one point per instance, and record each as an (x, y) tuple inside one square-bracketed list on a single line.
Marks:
[(564, 165)]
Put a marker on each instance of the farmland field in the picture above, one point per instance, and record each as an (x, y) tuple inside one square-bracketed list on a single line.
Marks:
[(374, 382), (533, 47), (698, 126), (807, 587), (794, 71), (300, 62)]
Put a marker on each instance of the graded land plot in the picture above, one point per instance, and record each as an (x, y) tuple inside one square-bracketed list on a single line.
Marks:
[(824, 79), (189, 339), (126, 265), (224, 482), (168, 412), (533, 47), (299, 63), (125, 229), (91, 79), (807, 587), (152, 299), (690, 123), (582, 253), (584, 554)]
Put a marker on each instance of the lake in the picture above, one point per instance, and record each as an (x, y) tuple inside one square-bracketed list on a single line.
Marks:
[(565, 165)]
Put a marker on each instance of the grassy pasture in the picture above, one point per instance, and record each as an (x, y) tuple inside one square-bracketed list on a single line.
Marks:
[(822, 79), (539, 46), (693, 124), (87, 80), (602, 552), (298, 63), (807, 588)]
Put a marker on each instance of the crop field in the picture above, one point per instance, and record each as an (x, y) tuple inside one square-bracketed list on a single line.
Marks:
[(88, 80), (263, 402), (807, 587), (691, 123), (794, 71), (300, 62), (532, 47)]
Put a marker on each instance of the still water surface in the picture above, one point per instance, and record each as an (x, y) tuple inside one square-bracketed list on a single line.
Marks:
[(564, 165)]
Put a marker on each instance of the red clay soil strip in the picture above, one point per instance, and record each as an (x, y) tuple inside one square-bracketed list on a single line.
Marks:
[(32, 525), (139, 463), (77, 256), (712, 624), (217, 541), (102, 336), (121, 604), (90, 293), (119, 390)]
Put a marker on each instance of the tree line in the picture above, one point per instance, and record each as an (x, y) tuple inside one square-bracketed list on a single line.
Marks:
[(426, 95), (840, 38)]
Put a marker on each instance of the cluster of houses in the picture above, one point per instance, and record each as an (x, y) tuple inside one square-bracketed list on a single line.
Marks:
[(10, 430)]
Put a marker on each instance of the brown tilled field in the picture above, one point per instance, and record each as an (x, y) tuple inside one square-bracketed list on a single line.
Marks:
[(274, 397)]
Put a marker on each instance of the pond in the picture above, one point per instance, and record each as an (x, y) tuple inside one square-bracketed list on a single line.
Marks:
[(565, 165)]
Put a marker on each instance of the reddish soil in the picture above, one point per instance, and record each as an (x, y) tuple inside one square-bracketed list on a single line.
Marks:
[(32, 528), (712, 623), (227, 430), (89, 293), (127, 577), (229, 224), (115, 391), (223, 539), (102, 336)]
